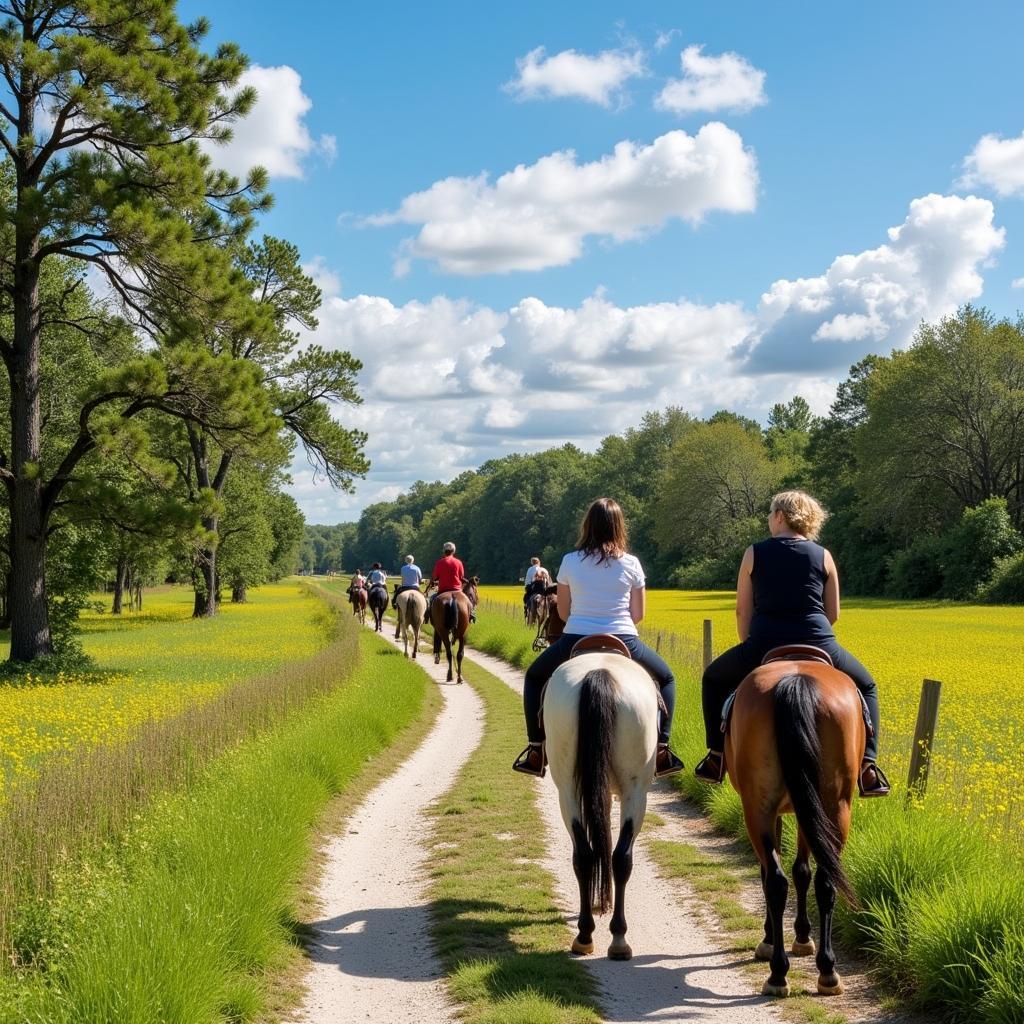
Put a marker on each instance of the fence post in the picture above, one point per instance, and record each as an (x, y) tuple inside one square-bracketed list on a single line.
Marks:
[(657, 643), (924, 736), (707, 642)]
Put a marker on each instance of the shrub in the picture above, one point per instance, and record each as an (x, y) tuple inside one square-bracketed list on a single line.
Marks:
[(1007, 583), (983, 535), (917, 571)]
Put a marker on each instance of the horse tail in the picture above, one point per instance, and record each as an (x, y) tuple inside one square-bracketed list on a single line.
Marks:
[(799, 749), (595, 734), (451, 615)]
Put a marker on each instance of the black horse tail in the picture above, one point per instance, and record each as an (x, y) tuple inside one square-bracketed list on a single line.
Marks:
[(451, 615), (595, 734), (799, 748)]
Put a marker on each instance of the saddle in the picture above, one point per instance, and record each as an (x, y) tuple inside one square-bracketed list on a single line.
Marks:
[(600, 643), (795, 652)]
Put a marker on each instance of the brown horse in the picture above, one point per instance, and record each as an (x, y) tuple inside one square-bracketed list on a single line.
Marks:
[(449, 617), (357, 598), (794, 746), (541, 607)]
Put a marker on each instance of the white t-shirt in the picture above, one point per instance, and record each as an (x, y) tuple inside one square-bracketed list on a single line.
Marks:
[(531, 574), (377, 576), (600, 593)]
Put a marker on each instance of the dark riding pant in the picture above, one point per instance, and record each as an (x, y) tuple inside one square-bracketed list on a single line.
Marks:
[(728, 670), (558, 654)]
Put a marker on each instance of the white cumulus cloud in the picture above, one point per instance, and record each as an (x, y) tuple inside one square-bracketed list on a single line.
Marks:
[(597, 78), (538, 215), (929, 265), (1017, 282), (997, 164), (712, 83), (274, 134)]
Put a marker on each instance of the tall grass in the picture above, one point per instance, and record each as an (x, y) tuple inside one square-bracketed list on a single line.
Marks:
[(76, 806), (942, 905), (180, 918)]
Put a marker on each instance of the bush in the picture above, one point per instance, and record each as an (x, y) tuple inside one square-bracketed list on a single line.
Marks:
[(1007, 583), (983, 535), (917, 571)]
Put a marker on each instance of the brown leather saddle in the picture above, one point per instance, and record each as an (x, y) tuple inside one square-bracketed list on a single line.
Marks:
[(600, 643), (797, 652)]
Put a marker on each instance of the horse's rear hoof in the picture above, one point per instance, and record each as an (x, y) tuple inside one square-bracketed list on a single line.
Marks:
[(582, 948), (779, 991), (830, 986), (763, 951), (803, 948), (620, 950)]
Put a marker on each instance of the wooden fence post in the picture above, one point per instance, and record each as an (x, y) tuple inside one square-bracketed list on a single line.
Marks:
[(924, 737), (657, 643), (707, 642)]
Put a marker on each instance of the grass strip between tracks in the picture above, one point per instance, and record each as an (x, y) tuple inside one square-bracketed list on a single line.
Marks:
[(191, 914), (502, 939)]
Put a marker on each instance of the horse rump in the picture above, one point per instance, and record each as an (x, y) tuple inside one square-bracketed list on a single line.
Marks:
[(799, 750), (595, 737)]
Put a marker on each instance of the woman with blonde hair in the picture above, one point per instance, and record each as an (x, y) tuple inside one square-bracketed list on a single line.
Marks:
[(600, 590), (787, 593)]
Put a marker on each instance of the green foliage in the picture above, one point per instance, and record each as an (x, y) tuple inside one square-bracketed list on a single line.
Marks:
[(983, 536), (916, 571), (1007, 583)]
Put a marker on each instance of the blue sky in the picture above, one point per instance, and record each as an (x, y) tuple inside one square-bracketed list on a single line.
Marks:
[(642, 297)]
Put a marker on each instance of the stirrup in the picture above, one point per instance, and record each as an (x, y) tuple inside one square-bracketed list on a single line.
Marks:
[(881, 787), (711, 767), (674, 763), (522, 762)]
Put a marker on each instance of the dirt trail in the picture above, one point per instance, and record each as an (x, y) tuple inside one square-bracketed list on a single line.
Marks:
[(678, 971), (372, 958)]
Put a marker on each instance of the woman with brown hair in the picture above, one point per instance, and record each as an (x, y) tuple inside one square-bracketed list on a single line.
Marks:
[(600, 590), (787, 593)]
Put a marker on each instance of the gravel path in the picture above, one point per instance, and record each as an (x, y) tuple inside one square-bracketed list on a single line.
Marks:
[(372, 960)]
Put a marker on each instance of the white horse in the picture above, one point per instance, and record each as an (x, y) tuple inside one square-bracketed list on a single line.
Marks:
[(411, 606), (601, 723)]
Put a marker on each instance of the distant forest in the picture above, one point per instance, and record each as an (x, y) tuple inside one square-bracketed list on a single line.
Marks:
[(920, 462)]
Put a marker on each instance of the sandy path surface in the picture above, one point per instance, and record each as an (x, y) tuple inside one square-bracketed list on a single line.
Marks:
[(372, 958), (678, 972)]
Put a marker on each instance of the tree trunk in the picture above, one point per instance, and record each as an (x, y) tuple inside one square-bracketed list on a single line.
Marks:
[(5, 601), (138, 597), (206, 594), (238, 594), (120, 573), (30, 620)]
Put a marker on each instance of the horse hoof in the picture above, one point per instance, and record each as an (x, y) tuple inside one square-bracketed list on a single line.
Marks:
[(831, 986), (763, 951), (620, 950), (803, 948), (779, 991), (582, 948)]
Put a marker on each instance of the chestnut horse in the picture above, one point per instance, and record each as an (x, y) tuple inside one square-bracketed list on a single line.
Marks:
[(378, 601), (794, 746), (449, 617), (540, 608), (357, 598)]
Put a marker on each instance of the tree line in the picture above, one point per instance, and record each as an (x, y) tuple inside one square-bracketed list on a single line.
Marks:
[(920, 461), (155, 389)]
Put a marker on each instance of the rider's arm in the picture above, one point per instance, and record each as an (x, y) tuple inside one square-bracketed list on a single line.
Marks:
[(563, 600), (831, 595), (745, 595), (637, 604)]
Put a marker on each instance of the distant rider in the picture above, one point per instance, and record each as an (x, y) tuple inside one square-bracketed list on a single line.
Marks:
[(449, 574), (411, 579), (378, 577), (529, 580)]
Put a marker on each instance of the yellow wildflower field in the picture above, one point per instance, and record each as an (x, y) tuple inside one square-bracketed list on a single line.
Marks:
[(152, 664), (976, 651)]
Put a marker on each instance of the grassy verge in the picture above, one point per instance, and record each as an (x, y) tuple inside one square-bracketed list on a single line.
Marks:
[(942, 906), (501, 937), (184, 915)]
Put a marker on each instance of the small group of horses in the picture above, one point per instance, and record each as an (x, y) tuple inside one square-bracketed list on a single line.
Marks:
[(450, 614), (794, 742)]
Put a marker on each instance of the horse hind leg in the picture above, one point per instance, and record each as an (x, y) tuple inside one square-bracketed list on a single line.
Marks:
[(803, 944), (776, 890), (583, 866), (458, 658), (767, 944), (634, 807), (829, 982)]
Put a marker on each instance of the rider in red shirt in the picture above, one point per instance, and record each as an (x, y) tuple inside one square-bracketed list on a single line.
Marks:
[(449, 574)]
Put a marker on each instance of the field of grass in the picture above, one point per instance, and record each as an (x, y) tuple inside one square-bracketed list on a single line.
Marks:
[(152, 664), (975, 650), (188, 915), (940, 882)]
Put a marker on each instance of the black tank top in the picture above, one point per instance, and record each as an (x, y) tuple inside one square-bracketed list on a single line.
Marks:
[(789, 591)]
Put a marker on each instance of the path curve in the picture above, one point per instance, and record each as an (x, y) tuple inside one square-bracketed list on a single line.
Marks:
[(371, 952), (678, 971)]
